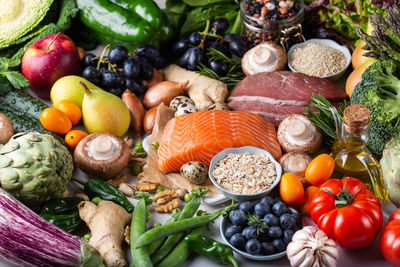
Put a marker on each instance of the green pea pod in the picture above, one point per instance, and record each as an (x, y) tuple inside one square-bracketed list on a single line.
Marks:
[(105, 191), (61, 206), (211, 249), (68, 222)]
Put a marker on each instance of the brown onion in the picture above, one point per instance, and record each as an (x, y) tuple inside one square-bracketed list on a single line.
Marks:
[(136, 109), (163, 92), (157, 77), (149, 120)]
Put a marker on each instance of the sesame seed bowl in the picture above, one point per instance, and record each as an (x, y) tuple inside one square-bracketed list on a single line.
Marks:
[(244, 173), (318, 57)]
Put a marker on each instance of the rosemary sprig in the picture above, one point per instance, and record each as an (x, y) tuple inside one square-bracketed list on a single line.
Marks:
[(234, 75), (323, 119), (253, 220)]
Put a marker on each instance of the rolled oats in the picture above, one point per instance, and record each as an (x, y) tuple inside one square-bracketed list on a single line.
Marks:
[(245, 173)]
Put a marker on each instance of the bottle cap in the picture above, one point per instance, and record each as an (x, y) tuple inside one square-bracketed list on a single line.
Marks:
[(356, 118)]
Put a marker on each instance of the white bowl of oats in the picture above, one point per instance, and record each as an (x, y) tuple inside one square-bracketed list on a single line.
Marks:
[(244, 173), (321, 58)]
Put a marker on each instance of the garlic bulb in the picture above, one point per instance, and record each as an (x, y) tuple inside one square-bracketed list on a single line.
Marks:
[(311, 247)]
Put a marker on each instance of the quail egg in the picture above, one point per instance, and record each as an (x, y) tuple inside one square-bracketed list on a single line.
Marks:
[(218, 106), (195, 172), (185, 108), (179, 100)]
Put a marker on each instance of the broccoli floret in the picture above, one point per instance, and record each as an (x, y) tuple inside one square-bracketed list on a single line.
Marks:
[(379, 90)]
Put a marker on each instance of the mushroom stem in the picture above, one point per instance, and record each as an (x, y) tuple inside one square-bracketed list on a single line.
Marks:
[(262, 55), (101, 148), (297, 129), (87, 91)]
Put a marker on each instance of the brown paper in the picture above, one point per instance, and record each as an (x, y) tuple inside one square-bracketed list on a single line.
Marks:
[(151, 172)]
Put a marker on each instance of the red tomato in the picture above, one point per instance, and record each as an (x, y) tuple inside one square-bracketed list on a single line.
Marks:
[(390, 239), (349, 213)]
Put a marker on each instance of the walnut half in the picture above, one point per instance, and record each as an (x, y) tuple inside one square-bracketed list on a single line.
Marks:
[(166, 201)]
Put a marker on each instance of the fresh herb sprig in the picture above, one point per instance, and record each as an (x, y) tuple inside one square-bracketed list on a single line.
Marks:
[(234, 74), (323, 119), (10, 79), (253, 220)]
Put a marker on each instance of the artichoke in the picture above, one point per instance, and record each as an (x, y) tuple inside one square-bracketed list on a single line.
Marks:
[(390, 165), (35, 167)]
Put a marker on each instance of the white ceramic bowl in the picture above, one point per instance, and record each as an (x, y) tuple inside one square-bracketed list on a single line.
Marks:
[(329, 43), (239, 150)]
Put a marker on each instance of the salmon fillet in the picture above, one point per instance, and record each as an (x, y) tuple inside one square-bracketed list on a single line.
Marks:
[(201, 135)]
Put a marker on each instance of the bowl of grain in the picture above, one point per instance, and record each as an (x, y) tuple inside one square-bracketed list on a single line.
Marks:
[(244, 173), (321, 58)]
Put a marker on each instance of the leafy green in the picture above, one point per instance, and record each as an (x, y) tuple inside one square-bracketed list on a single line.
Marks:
[(10, 79), (234, 75), (379, 91)]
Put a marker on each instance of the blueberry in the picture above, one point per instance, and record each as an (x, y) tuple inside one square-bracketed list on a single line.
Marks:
[(247, 206), (277, 198), (117, 55), (136, 87), (180, 47), (116, 91), (271, 220), (287, 221), (279, 208), (250, 232), (238, 217), (287, 235), (253, 246), (91, 74), (268, 248), (297, 217), (195, 38), (268, 200), (111, 79), (88, 60), (262, 209), (233, 229), (146, 72), (131, 67), (221, 25), (279, 245), (274, 232), (238, 241), (263, 237)]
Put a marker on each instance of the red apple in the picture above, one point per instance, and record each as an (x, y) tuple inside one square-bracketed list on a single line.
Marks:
[(47, 60)]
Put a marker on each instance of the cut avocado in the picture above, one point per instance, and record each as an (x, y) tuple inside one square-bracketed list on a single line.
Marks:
[(18, 17)]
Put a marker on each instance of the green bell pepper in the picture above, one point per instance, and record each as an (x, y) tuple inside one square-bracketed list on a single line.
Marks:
[(67, 222), (61, 206), (126, 22)]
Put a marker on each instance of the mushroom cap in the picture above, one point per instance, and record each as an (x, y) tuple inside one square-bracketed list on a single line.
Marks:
[(6, 129), (105, 169), (265, 57), (297, 133), (295, 162)]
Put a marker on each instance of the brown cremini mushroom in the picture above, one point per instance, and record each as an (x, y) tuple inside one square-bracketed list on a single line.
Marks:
[(295, 162), (297, 133), (6, 129), (265, 57), (102, 155)]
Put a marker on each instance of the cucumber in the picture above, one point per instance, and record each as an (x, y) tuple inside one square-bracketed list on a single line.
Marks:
[(23, 103)]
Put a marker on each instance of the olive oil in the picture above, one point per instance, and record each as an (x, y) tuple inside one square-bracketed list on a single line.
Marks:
[(352, 158)]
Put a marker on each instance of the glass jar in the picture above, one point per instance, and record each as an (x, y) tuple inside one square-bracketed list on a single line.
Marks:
[(276, 21)]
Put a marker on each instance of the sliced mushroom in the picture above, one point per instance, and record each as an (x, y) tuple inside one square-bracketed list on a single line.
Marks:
[(297, 133), (295, 162), (265, 57), (102, 155), (6, 129)]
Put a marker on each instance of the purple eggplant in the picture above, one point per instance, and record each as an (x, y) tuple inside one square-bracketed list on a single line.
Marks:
[(26, 239)]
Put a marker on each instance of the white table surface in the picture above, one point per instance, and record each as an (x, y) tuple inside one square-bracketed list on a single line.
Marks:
[(367, 257)]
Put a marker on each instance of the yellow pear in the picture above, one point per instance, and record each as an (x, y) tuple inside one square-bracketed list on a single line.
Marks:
[(68, 88), (103, 112)]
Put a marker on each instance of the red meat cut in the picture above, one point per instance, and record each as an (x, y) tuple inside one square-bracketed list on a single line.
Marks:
[(278, 94)]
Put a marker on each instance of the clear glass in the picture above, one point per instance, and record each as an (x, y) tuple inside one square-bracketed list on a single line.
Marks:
[(259, 32), (352, 158)]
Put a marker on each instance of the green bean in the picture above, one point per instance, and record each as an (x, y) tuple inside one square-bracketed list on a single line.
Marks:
[(188, 211), (178, 227), (180, 253), (140, 258)]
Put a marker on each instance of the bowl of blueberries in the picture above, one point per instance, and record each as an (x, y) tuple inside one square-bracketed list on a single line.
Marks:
[(262, 229)]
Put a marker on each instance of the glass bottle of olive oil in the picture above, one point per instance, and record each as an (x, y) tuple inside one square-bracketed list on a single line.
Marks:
[(352, 158)]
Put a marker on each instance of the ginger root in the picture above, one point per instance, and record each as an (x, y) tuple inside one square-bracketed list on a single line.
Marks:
[(106, 222), (204, 91)]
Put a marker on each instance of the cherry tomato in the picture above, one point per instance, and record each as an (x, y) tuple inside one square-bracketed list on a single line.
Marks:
[(347, 211), (320, 169), (70, 109), (55, 121), (72, 138), (390, 239), (308, 193), (291, 189)]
